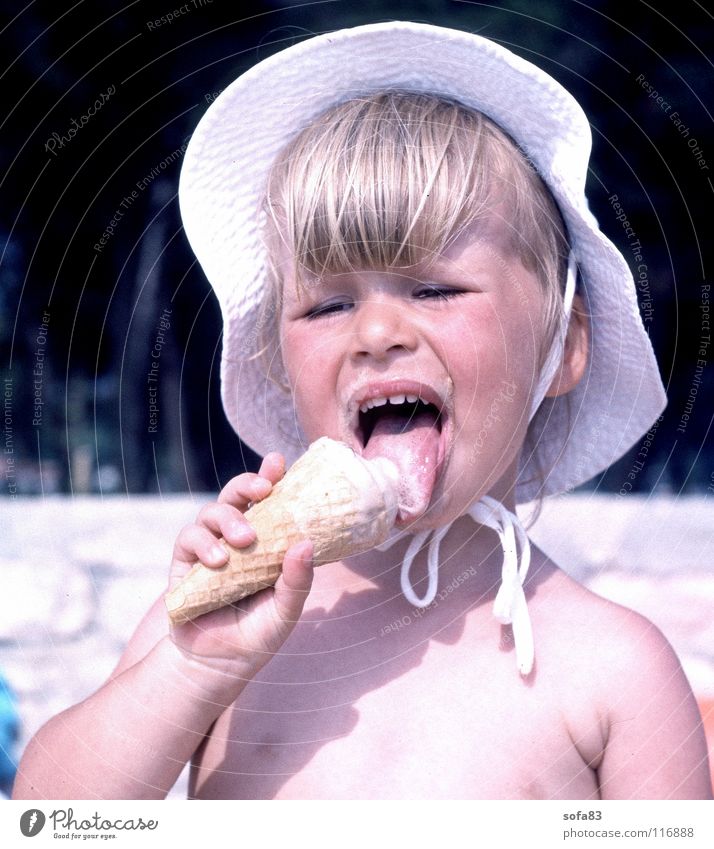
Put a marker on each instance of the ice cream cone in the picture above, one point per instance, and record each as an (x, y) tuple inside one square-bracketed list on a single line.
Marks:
[(340, 501)]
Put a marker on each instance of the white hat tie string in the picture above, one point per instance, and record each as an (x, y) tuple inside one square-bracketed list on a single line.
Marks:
[(509, 607)]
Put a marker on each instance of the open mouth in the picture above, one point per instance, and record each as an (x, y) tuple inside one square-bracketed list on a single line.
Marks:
[(407, 429), (397, 414)]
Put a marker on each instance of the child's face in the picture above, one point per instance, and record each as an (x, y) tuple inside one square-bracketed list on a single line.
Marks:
[(464, 333)]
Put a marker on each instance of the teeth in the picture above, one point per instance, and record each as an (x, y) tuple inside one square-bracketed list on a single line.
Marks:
[(373, 402), (392, 399)]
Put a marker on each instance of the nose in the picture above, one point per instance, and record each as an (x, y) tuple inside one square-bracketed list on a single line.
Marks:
[(382, 325)]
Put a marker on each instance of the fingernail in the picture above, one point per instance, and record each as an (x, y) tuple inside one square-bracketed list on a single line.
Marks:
[(261, 486), (241, 533), (218, 553)]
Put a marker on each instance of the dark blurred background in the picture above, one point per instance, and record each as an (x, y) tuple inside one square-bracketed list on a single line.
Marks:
[(98, 100)]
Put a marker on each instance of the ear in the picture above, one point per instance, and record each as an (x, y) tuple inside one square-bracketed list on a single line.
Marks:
[(575, 356)]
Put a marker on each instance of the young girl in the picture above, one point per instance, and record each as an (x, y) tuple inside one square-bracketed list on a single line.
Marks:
[(393, 219)]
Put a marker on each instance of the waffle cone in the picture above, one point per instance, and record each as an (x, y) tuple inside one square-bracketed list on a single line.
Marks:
[(343, 503)]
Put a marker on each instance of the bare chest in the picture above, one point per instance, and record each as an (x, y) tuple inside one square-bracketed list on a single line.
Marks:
[(418, 720)]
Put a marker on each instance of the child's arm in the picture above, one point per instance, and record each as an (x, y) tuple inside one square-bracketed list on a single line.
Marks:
[(655, 747), (132, 737)]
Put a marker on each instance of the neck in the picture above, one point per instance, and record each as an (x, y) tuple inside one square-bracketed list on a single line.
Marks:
[(462, 561), (470, 555)]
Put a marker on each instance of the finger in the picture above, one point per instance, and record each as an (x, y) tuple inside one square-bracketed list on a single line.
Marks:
[(293, 585), (272, 467), (242, 490), (196, 543), (227, 521)]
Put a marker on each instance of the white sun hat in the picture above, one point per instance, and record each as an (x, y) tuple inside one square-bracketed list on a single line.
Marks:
[(223, 181)]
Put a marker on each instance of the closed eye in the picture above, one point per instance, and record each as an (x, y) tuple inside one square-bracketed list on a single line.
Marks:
[(437, 292), (324, 310)]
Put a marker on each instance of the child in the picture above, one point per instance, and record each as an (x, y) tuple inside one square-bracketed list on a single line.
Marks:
[(393, 219)]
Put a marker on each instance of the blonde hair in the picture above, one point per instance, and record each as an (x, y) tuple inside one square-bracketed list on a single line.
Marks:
[(386, 180)]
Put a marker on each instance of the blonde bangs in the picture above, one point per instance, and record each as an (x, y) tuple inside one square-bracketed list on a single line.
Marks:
[(381, 182), (387, 180)]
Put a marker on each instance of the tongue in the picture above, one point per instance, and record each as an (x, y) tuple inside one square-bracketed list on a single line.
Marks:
[(413, 447)]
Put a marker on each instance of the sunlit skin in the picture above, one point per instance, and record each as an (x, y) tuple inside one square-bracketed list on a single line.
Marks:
[(330, 685), (469, 325)]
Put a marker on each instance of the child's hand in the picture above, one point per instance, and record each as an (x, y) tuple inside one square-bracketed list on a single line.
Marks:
[(239, 640)]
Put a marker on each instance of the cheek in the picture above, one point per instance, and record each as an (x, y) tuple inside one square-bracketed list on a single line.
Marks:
[(297, 348), (495, 369), (306, 365), (490, 345)]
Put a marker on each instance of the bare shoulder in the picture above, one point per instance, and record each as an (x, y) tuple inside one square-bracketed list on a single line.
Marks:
[(654, 745), (564, 607), (610, 641)]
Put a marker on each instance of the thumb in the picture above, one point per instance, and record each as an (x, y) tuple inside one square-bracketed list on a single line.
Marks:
[(293, 585)]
